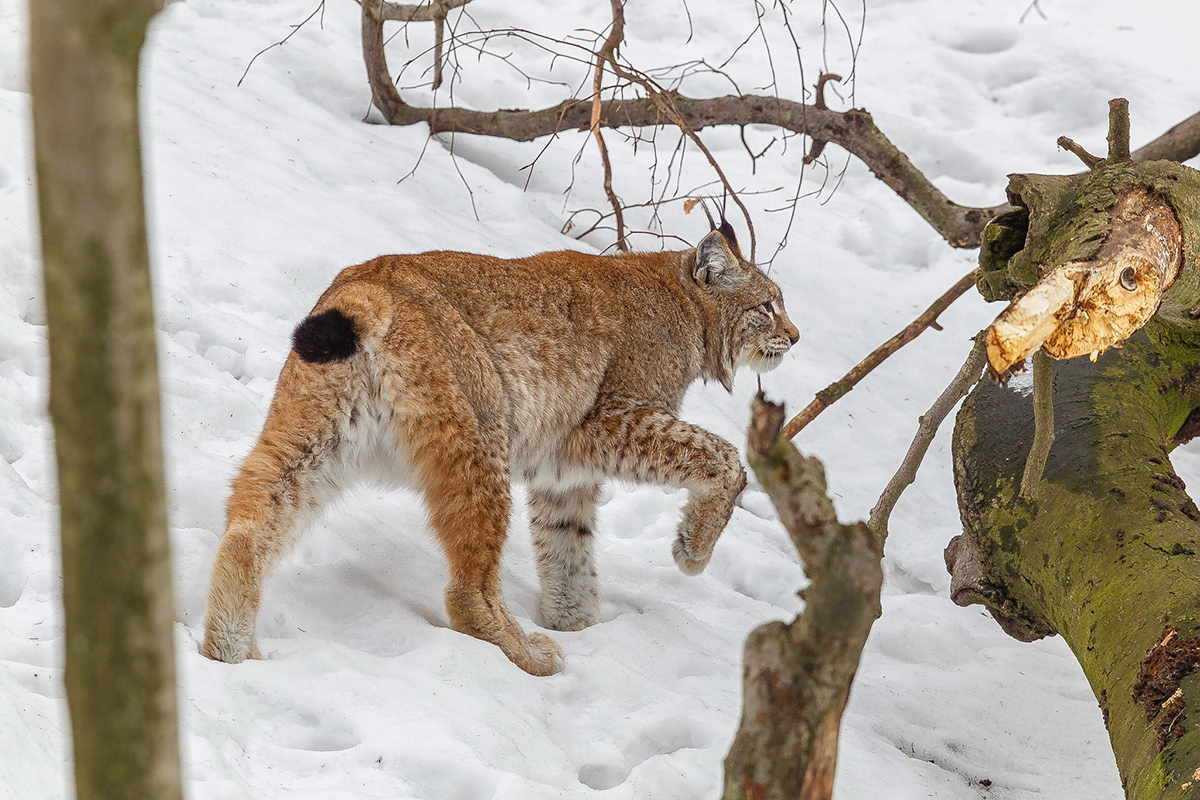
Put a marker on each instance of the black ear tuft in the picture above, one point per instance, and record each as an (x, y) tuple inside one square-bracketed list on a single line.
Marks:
[(727, 231), (325, 337), (715, 262)]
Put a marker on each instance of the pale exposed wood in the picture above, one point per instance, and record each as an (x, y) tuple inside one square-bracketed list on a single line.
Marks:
[(1086, 307)]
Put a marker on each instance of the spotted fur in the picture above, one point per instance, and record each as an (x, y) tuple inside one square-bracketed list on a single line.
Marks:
[(454, 373)]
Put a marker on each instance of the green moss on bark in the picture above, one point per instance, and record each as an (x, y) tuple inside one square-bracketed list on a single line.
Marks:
[(1106, 552)]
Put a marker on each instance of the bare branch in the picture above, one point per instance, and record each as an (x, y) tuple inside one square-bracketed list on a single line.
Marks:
[(1072, 146), (797, 676), (931, 420), (834, 391), (823, 79), (608, 54), (853, 130), (1118, 130), (439, 36), (1180, 143), (1043, 423), (420, 12), (818, 145)]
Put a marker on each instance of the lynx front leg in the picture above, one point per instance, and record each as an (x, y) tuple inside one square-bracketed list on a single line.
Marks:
[(562, 521), (652, 446)]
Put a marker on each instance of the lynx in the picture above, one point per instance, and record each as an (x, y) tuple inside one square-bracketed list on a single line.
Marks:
[(455, 373)]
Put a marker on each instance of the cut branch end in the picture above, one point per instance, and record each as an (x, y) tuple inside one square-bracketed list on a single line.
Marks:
[(1118, 130)]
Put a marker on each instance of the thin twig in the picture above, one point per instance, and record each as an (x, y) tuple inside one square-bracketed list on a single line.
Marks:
[(665, 101), (1090, 161), (295, 29), (1033, 7), (931, 420), (1043, 423), (834, 391), (608, 53), (439, 35)]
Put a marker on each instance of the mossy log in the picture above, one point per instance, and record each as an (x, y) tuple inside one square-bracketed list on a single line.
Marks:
[(1105, 551)]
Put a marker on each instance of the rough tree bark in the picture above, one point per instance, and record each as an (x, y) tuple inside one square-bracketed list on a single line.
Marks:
[(104, 402), (797, 676), (1104, 551)]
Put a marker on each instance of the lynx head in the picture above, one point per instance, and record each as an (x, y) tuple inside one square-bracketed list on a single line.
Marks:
[(754, 329)]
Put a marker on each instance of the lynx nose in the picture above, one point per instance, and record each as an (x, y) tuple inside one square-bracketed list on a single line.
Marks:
[(793, 333)]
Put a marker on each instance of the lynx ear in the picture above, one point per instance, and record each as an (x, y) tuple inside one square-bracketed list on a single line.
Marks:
[(716, 265)]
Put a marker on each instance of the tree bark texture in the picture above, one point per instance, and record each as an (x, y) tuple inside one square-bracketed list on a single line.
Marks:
[(104, 404), (1104, 552), (797, 675)]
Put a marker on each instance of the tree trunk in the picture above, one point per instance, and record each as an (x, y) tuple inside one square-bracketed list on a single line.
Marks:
[(1104, 552), (797, 675), (104, 396)]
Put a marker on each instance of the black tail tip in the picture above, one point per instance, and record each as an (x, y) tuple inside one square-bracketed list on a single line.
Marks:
[(325, 337)]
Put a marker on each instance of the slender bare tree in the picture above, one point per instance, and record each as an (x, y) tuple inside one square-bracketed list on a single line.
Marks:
[(104, 402)]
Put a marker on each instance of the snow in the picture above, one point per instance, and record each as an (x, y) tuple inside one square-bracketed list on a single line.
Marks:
[(260, 193)]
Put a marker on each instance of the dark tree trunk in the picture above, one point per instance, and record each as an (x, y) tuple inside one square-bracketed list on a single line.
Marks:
[(120, 671)]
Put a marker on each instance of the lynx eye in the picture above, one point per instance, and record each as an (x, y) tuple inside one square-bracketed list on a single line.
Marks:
[(768, 307), (1128, 279)]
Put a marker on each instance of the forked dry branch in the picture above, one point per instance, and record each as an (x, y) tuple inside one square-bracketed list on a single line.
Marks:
[(797, 675)]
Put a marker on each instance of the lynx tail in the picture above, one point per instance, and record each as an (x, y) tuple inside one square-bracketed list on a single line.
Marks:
[(325, 337)]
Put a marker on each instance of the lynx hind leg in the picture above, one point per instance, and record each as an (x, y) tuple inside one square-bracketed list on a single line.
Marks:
[(651, 446), (561, 521), (280, 487), (463, 474)]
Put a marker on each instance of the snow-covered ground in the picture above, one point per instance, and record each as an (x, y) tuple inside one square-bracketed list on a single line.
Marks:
[(260, 193)]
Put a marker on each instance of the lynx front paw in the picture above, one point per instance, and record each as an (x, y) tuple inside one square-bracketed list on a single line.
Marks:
[(688, 561)]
